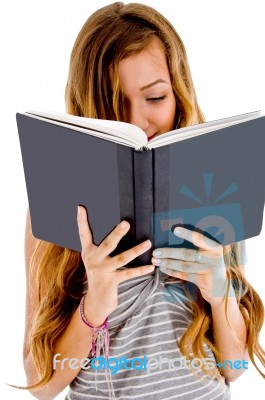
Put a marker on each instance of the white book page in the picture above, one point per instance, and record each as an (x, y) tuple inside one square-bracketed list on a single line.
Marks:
[(117, 131), (199, 129), (131, 135)]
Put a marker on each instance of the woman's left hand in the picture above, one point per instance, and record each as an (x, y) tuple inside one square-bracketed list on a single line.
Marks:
[(205, 267)]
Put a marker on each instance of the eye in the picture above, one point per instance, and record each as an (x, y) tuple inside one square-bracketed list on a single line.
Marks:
[(156, 99)]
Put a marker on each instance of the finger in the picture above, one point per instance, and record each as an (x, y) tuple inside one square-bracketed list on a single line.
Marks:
[(129, 255), (129, 273), (198, 239), (193, 278), (179, 253), (84, 229), (111, 241), (182, 266)]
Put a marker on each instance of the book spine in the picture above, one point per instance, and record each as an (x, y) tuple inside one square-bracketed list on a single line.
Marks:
[(143, 199), (126, 192)]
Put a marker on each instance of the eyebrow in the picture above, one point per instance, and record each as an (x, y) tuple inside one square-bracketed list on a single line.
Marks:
[(153, 83)]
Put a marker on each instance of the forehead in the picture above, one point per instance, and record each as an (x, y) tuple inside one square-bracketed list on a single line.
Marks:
[(150, 64)]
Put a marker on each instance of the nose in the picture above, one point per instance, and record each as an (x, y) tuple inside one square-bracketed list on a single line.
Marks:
[(138, 116)]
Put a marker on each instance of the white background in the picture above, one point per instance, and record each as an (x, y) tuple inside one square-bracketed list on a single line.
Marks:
[(225, 42)]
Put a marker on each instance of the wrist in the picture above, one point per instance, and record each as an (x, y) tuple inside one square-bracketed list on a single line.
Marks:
[(221, 289), (218, 302), (100, 338), (91, 313)]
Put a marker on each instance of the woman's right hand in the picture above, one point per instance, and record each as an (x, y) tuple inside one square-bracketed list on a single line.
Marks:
[(101, 269)]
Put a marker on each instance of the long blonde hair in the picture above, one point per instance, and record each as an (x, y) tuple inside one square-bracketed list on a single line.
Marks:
[(110, 34)]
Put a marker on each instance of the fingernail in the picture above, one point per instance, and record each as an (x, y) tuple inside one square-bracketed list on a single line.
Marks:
[(146, 244), (156, 261), (123, 224), (178, 231), (157, 252), (78, 209)]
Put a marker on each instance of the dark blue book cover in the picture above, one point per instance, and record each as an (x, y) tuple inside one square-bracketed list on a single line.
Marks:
[(214, 183)]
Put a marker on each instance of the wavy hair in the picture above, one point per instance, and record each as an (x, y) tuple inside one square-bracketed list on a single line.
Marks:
[(109, 35)]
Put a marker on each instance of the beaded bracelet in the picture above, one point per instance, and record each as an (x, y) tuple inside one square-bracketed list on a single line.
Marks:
[(102, 330), (101, 341)]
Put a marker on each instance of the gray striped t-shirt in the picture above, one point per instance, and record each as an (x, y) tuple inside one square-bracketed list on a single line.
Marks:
[(152, 315)]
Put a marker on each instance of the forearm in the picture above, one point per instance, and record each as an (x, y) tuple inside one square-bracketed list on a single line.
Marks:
[(231, 348), (75, 343)]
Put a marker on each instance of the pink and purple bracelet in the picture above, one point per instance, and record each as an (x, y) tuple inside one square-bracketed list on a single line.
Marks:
[(102, 330), (101, 341)]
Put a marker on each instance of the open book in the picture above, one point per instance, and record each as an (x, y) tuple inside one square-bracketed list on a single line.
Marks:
[(208, 177)]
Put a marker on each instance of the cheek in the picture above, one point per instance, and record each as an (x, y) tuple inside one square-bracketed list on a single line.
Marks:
[(167, 116)]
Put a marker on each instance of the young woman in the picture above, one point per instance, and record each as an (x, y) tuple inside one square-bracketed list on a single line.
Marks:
[(128, 63)]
